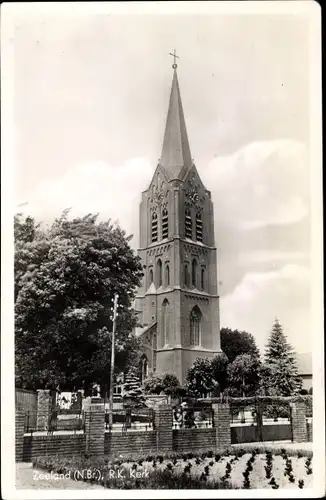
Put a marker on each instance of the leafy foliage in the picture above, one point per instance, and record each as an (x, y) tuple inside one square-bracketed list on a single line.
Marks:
[(65, 279), (243, 375), (279, 371), (219, 371), (153, 385), (164, 384), (199, 379), (235, 342)]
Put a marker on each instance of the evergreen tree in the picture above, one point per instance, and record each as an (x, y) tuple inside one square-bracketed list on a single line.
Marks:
[(133, 391), (280, 372)]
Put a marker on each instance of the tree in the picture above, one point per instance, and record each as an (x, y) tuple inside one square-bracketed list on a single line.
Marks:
[(164, 384), (199, 379), (280, 372), (219, 371), (235, 342), (244, 375), (65, 279), (133, 392), (153, 385)]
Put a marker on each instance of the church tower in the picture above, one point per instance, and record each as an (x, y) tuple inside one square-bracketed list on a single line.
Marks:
[(178, 301)]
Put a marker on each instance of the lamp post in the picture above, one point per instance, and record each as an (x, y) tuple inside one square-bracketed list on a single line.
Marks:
[(115, 314)]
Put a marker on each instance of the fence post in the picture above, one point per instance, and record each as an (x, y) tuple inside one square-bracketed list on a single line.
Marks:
[(259, 419), (19, 434), (222, 424), (163, 427), (299, 422), (94, 427), (44, 409)]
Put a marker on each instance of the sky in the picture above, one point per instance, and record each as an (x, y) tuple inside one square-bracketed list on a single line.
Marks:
[(90, 102)]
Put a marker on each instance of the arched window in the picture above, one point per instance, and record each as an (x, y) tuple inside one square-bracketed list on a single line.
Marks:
[(188, 224), (165, 322), (194, 273), (165, 224), (154, 226), (144, 369), (195, 326), (159, 273), (186, 269), (199, 227), (202, 278), (167, 275), (151, 277)]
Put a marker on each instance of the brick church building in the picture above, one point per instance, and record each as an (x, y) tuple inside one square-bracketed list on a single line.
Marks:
[(178, 302)]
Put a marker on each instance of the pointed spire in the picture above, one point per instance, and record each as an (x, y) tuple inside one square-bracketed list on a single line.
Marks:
[(176, 156)]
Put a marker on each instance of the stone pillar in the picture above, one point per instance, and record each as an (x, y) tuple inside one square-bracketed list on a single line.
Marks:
[(299, 422), (79, 400), (19, 434), (163, 427), (44, 409), (94, 427), (222, 424)]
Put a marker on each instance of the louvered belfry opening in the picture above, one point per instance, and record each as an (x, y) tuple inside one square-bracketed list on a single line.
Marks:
[(165, 224), (199, 227), (154, 227), (188, 224)]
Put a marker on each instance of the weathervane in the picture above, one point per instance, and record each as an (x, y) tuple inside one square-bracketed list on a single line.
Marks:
[(174, 65)]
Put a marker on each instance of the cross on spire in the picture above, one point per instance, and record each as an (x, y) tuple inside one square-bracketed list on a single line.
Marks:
[(174, 65)]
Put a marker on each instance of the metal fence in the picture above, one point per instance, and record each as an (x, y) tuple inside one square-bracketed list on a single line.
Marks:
[(198, 416), (56, 421), (26, 400), (243, 414), (73, 419), (125, 419), (260, 421)]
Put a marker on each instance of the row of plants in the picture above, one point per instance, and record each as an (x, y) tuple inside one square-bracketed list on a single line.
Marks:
[(288, 471), (162, 469)]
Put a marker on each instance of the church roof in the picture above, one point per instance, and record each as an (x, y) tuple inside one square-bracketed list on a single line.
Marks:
[(143, 329), (304, 362), (176, 156), (151, 290)]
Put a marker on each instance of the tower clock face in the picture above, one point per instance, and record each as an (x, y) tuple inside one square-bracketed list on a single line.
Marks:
[(158, 196), (193, 196)]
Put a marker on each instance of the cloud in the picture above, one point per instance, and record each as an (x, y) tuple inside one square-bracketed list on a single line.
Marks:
[(258, 194), (260, 297), (112, 191), (261, 184), (268, 256)]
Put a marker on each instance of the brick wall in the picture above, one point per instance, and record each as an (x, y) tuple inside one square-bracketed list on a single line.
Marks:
[(222, 423), (94, 427), (194, 439), (309, 431), (44, 408), (63, 445), (299, 422), (163, 427), (19, 435), (116, 443)]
